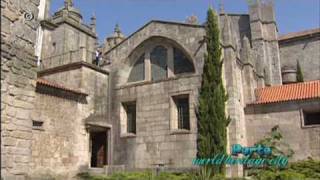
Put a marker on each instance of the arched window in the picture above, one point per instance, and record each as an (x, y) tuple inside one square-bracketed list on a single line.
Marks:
[(182, 64), (158, 58), (137, 72)]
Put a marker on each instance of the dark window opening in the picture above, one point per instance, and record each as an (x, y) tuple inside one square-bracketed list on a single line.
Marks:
[(182, 64), (311, 118), (137, 72), (37, 124), (130, 109), (183, 116), (158, 58)]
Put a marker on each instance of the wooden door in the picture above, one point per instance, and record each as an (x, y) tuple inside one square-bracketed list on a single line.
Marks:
[(99, 149)]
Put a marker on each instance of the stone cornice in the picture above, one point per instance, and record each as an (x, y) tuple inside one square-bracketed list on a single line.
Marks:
[(48, 24), (141, 83), (71, 66)]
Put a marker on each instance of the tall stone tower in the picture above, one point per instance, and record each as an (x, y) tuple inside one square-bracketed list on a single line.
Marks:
[(264, 34), (66, 39)]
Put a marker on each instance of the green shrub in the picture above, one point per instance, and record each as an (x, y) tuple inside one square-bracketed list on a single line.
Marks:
[(310, 168), (136, 176), (281, 175), (307, 169), (151, 176)]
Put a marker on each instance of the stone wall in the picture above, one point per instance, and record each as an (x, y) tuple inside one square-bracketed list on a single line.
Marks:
[(18, 73), (156, 141), (305, 141), (60, 148), (307, 52), (85, 78), (60, 41)]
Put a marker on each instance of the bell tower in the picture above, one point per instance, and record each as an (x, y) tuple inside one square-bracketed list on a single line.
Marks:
[(66, 39)]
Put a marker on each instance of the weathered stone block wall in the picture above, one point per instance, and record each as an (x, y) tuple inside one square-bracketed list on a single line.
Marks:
[(18, 75), (265, 43), (307, 52), (71, 78), (17, 102), (96, 84), (60, 41), (59, 149), (155, 141), (305, 141), (87, 80)]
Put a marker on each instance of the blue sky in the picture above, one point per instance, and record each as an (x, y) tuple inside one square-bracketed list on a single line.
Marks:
[(291, 15)]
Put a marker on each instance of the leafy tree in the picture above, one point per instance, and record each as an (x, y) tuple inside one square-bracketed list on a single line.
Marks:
[(274, 140), (276, 143), (299, 73), (212, 121)]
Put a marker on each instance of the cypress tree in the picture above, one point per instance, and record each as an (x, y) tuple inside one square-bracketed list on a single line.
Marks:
[(299, 73), (212, 121)]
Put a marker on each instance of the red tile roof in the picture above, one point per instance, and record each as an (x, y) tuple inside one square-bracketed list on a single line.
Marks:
[(58, 86), (293, 35), (289, 92)]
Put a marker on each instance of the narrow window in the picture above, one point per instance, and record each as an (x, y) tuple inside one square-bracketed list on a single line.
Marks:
[(137, 72), (130, 109), (180, 116), (183, 113), (311, 118), (158, 58)]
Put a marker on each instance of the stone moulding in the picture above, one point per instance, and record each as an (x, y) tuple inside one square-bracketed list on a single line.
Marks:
[(71, 66)]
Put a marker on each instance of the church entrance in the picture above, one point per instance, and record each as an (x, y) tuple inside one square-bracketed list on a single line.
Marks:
[(99, 149)]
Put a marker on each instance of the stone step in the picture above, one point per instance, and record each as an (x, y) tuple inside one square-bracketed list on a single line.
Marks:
[(96, 171)]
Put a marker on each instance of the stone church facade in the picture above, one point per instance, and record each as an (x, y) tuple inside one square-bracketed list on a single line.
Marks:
[(61, 114)]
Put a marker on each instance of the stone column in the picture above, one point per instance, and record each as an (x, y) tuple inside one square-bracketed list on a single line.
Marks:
[(147, 66), (83, 54), (234, 107), (265, 44), (170, 63)]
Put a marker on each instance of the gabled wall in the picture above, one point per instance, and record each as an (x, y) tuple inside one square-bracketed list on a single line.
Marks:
[(155, 141)]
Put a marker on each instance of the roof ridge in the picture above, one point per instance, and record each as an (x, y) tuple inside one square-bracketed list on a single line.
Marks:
[(286, 85), (292, 35)]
